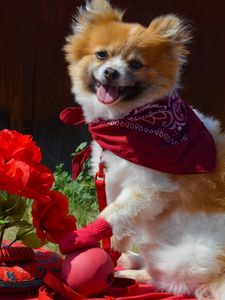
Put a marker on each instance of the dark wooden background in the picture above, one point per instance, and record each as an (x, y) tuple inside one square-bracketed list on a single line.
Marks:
[(34, 85)]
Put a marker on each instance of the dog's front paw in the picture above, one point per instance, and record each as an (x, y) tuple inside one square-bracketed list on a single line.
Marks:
[(76, 240), (86, 237)]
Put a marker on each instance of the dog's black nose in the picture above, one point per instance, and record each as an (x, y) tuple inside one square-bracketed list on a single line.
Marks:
[(111, 73)]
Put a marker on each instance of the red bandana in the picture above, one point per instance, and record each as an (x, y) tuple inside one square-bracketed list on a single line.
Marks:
[(166, 136)]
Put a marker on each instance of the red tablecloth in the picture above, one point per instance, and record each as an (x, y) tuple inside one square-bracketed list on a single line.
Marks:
[(146, 291)]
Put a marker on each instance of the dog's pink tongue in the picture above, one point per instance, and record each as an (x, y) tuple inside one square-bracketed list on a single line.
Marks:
[(107, 94)]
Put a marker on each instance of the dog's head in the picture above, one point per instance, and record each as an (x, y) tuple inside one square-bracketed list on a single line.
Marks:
[(114, 64)]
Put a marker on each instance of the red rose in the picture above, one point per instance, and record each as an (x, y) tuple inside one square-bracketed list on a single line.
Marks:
[(40, 180), (15, 145), (13, 176), (20, 169), (25, 179), (50, 217)]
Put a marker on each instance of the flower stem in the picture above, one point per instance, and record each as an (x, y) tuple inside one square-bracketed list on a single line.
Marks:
[(1, 235)]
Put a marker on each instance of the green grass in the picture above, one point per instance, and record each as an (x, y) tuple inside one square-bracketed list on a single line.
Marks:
[(81, 193)]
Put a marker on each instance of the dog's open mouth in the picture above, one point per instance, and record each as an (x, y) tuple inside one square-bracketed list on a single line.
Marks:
[(108, 94)]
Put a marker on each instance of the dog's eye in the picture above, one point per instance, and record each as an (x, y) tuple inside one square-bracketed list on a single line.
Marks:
[(135, 64), (102, 55)]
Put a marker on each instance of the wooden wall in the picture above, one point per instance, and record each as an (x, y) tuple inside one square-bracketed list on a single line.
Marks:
[(34, 85)]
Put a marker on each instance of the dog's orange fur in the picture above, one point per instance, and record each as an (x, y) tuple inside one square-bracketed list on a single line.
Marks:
[(205, 192)]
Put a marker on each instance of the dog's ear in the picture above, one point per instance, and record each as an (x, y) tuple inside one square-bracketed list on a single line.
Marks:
[(173, 30), (93, 11)]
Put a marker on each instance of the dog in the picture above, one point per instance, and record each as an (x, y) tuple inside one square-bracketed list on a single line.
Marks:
[(176, 218)]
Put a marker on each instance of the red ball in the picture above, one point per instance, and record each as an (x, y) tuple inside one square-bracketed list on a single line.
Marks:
[(88, 271)]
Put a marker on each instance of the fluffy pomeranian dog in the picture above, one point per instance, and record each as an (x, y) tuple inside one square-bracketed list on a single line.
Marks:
[(176, 220)]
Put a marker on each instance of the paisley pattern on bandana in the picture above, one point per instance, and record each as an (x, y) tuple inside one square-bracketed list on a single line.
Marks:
[(167, 120)]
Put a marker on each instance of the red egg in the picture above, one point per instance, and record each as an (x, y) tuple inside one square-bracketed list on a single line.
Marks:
[(88, 271)]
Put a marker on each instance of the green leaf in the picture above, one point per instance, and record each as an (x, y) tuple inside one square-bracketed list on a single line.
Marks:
[(11, 222), (13, 206), (80, 147), (3, 222), (26, 216), (5, 203), (24, 224), (22, 231), (3, 196), (30, 239)]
